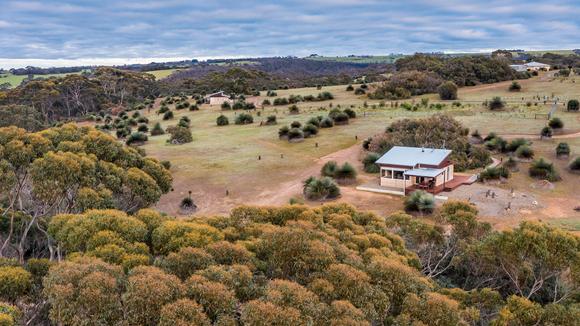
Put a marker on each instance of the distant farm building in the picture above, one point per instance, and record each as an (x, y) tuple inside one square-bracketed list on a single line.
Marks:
[(414, 168), (218, 98), (531, 66)]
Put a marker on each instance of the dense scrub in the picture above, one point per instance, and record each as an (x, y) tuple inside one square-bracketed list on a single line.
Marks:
[(437, 131), (75, 96), (295, 265), (67, 169)]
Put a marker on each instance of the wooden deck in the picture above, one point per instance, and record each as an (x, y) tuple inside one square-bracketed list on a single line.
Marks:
[(457, 181)]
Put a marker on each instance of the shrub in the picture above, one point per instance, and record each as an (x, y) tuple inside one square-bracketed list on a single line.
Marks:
[(281, 101), (575, 164), (222, 120), (340, 118), (293, 109), (271, 120), (325, 96), (496, 104), (542, 169), (193, 107), (295, 134), (136, 137), (349, 88), (326, 123), (556, 123), (350, 112), (494, 173), (266, 102), (563, 149), (226, 106), (187, 203), (359, 91), (157, 130), (163, 109), (329, 169), (244, 118), (447, 91), (320, 189), (345, 173), (239, 105), (546, 132), (525, 152), (180, 135), (184, 122), (15, 281), (295, 124), (123, 132), (283, 132), (314, 121), (168, 115), (515, 87), (516, 143), (310, 130), (420, 201), (143, 128), (573, 105), (369, 163), (143, 120)]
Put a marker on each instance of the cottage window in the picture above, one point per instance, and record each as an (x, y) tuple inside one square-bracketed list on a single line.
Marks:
[(398, 175)]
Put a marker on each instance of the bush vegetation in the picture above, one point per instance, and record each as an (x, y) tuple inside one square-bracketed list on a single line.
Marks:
[(542, 169), (320, 189), (244, 118), (420, 201)]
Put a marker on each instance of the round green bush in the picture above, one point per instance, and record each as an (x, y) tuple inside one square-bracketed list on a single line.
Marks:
[(546, 132), (542, 169), (283, 132), (295, 134), (244, 118), (350, 112), (310, 130), (420, 201), (563, 149), (573, 105), (320, 189), (168, 115), (447, 91), (525, 152), (369, 163), (575, 164), (157, 130), (556, 123), (496, 103), (222, 120), (295, 124), (326, 123), (136, 138)]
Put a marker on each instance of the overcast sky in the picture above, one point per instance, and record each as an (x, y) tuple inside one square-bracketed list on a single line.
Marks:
[(59, 32)]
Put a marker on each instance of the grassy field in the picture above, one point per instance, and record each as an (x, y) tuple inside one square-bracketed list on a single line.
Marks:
[(15, 80), (160, 74), (255, 167)]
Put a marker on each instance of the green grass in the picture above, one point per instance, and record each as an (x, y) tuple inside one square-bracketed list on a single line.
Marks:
[(15, 80), (160, 74), (570, 224)]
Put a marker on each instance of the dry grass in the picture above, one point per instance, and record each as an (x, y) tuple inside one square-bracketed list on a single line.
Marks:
[(226, 158)]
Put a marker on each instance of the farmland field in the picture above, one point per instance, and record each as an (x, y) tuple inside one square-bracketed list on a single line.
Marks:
[(232, 165), (15, 80), (164, 73)]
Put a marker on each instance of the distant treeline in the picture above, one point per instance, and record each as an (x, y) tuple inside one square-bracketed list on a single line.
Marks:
[(30, 70), (271, 73), (39, 103)]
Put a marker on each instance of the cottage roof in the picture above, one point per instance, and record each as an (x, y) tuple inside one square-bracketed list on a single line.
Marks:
[(412, 156)]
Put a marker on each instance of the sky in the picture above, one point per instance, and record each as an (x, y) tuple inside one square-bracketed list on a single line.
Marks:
[(64, 33)]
